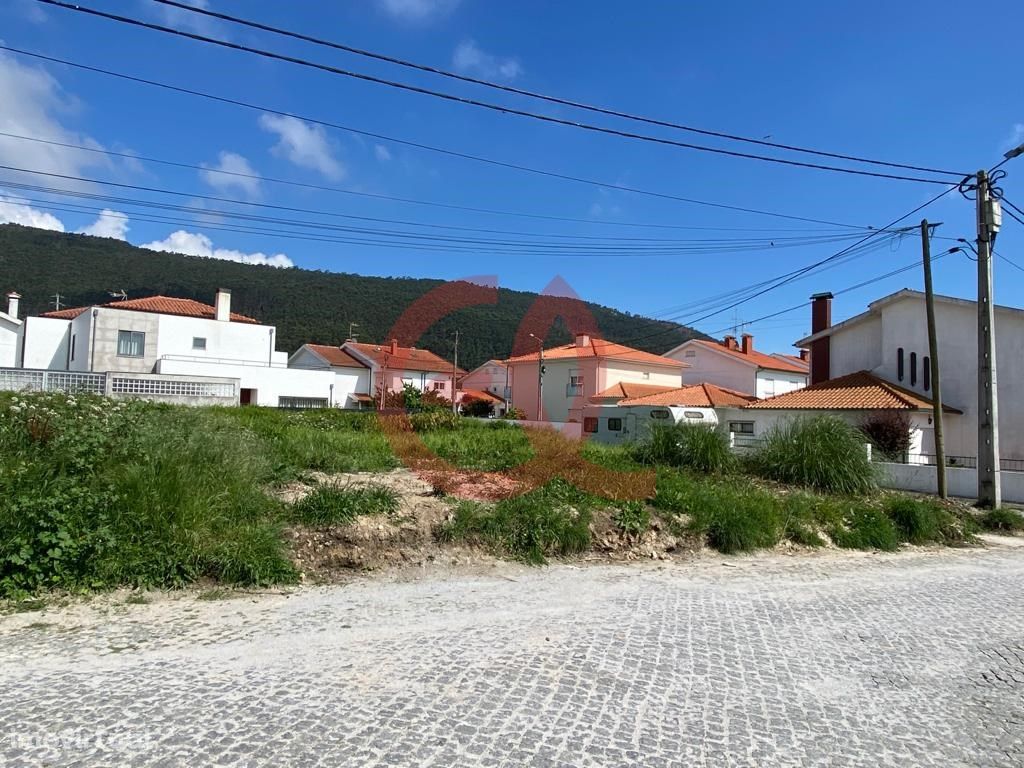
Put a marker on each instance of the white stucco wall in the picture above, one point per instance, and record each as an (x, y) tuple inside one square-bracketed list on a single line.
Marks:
[(10, 342), (270, 383), (771, 383), (46, 343), (903, 325), (619, 371), (225, 340), (706, 365), (488, 378)]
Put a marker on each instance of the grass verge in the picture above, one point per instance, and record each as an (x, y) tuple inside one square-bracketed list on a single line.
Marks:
[(328, 505)]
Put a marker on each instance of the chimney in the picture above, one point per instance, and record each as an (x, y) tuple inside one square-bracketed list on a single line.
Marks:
[(222, 305), (821, 349), (12, 304), (582, 340), (748, 343), (805, 355), (729, 342), (394, 346)]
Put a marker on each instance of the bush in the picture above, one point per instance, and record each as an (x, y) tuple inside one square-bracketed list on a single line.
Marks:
[(477, 407), (920, 521), (328, 505), (551, 521), (514, 414), (864, 527), (1002, 520), (693, 446), (632, 517), (821, 452), (889, 433), (434, 419)]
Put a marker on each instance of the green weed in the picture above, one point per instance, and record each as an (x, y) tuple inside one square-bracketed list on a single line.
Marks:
[(632, 517), (692, 446), (1006, 520), (328, 505)]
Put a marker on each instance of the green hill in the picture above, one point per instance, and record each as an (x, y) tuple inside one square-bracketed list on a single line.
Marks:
[(305, 305)]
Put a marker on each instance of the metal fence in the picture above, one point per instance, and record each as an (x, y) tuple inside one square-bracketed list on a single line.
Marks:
[(962, 462)]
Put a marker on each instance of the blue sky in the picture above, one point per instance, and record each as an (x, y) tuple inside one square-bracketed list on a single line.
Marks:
[(893, 81)]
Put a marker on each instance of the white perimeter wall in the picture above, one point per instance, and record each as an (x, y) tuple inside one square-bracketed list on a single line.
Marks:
[(959, 481), (270, 383), (10, 343)]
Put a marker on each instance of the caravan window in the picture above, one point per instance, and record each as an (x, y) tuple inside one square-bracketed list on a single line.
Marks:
[(660, 414), (590, 423), (742, 427), (693, 415), (614, 425)]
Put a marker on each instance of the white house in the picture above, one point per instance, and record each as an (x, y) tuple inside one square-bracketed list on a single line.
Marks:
[(394, 366), (492, 377), (890, 340), (351, 388), (11, 329), (740, 367), (176, 339)]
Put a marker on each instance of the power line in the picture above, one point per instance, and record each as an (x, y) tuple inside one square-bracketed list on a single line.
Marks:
[(418, 145), (535, 95), (501, 109), (791, 277), (1016, 216), (256, 176)]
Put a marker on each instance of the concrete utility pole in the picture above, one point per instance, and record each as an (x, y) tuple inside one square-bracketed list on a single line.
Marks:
[(933, 355), (989, 481), (455, 372), (540, 377)]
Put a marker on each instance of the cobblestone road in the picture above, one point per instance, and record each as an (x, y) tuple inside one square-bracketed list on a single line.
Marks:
[(851, 660)]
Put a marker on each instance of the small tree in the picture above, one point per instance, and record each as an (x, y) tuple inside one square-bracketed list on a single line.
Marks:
[(889, 433), (412, 399), (477, 406)]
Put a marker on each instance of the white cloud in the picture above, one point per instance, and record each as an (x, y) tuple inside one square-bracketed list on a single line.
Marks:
[(14, 210), (304, 144), (418, 10), (382, 152), (179, 18), (232, 171), (32, 101), (1016, 137), (109, 224), (195, 244), (471, 59)]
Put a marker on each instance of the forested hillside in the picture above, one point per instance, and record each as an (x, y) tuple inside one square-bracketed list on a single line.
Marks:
[(305, 305)]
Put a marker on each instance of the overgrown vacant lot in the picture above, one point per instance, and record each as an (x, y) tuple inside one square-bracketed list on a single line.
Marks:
[(97, 493)]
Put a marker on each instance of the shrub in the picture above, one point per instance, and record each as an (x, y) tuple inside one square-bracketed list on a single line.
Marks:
[(865, 527), (632, 517), (693, 446), (477, 407), (921, 521), (888, 432), (514, 414), (551, 521), (1002, 520), (434, 419), (822, 452), (328, 505)]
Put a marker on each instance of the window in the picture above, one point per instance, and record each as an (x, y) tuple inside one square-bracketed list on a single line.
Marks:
[(438, 385), (913, 369), (899, 364), (301, 403), (695, 415), (690, 353), (198, 342), (575, 386), (614, 425), (74, 338), (926, 372), (647, 375), (590, 424), (131, 344), (742, 427), (660, 413)]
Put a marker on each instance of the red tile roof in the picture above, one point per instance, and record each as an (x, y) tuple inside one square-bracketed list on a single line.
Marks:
[(336, 356), (861, 391), (602, 349), (161, 305), (697, 396), (404, 358), (795, 360), (479, 394), (759, 359), (626, 389)]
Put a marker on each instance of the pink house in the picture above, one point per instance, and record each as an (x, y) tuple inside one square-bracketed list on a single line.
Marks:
[(575, 372), (395, 366)]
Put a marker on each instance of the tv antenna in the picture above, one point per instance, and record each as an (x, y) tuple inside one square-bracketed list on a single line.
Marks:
[(352, 335), (56, 302), (119, 295)]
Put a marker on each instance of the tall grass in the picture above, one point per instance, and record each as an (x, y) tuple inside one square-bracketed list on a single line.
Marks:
[(329, 505), (551, 521), (820, 452), (693, 446), (481, 445)]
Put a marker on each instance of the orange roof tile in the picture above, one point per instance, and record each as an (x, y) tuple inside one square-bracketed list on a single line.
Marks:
[(696, 396), (336, 356), (759, 359), (600, 348), (805, 365), (626, 389), (404, 358), (161, 305), (479, 394), (861, 391)]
